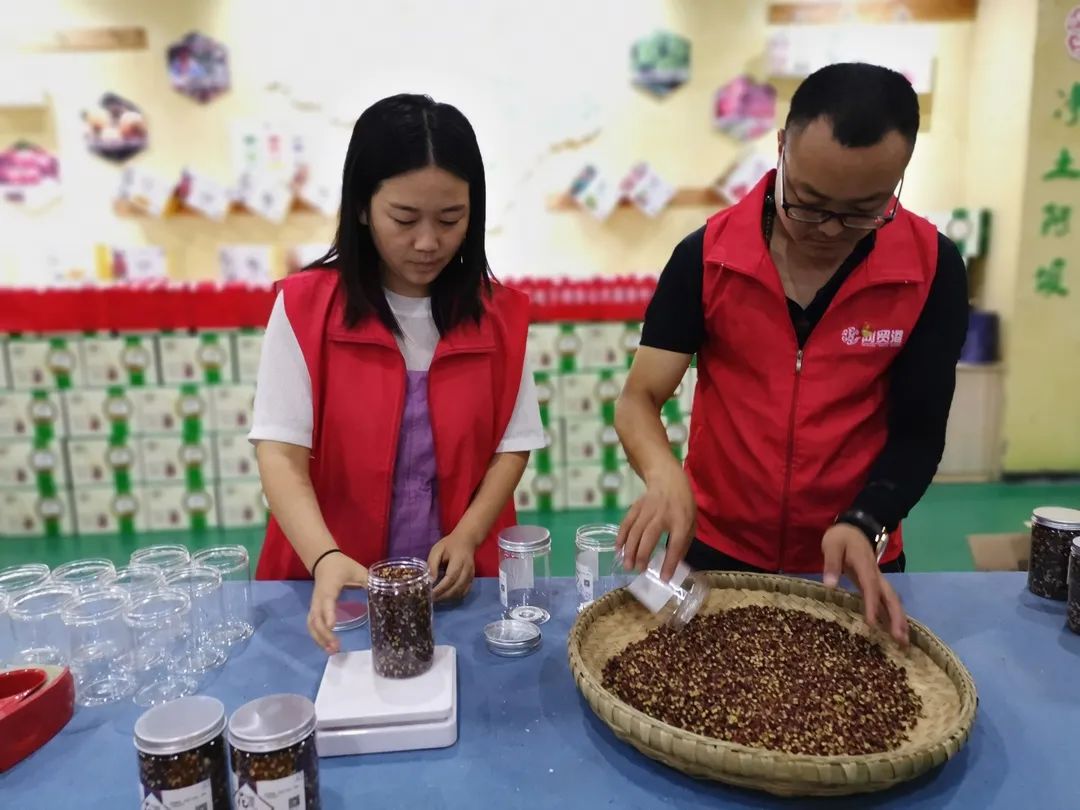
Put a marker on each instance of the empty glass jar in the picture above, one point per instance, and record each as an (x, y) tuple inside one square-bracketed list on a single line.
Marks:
[(102, 647), (167, 558), (594, 562), (137, 580), (205, 650), (400, 616), (41, 637), (18, 578), (525, 573), (676, 601), (232, 563), (161, 624), (84, 575)]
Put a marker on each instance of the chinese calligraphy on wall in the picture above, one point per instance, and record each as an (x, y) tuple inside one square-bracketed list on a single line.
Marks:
[(1051, 274)]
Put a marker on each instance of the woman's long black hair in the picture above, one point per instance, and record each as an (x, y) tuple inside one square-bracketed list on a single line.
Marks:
[(396, 135)]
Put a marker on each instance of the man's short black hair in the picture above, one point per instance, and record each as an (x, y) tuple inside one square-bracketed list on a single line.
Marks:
[(863, 103)]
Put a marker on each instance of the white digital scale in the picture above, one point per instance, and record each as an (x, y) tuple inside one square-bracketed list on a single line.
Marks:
[(359, 712)]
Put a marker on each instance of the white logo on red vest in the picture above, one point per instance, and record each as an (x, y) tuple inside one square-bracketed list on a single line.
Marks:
[(872, 338)]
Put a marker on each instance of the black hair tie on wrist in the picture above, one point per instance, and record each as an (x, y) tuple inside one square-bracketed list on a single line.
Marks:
[(322, 556)]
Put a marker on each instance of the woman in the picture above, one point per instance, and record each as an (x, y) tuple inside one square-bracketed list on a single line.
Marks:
[(394, 411)]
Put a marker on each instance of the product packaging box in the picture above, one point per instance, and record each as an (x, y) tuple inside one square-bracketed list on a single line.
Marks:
[(128, 360), (29, 415), (172, 506), (603, 346), (44, 363), (162, 410), (241, 504), (205, 358), (235, 456), (94, 412), (24, 465), (103, 510), (231, 407), (247, 349), (95, 462), (167, 459), (542, 347), (540, 492), (24, 513)]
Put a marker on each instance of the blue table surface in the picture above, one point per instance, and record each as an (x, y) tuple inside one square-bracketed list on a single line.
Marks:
[(526, 737)]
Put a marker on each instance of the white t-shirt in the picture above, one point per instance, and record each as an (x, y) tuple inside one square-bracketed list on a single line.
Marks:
[(283, 404)]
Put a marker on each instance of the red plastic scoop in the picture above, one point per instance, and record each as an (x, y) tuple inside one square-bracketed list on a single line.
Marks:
[(18, 684)]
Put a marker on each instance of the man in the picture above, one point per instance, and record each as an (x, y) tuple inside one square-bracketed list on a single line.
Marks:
[(827, 322)]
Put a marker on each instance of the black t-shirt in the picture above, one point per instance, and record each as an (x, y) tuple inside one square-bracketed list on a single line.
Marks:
[(921, 380)]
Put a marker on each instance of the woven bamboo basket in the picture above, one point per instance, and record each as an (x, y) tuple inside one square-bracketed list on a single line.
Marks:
[(607, 626)]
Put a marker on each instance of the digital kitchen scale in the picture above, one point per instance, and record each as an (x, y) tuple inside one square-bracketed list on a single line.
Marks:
[(361, 713)]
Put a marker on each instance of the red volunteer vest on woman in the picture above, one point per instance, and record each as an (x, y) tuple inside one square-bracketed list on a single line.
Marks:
[(358, 390), (782, 440)]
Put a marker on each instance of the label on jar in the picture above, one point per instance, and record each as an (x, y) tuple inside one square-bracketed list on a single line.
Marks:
[(195, 797), (515, 574), (585, 579), (272, 794)]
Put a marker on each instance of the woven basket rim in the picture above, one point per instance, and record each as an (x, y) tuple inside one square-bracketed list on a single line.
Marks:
[(921, 636)]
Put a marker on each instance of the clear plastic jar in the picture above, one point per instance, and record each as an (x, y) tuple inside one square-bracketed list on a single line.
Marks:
[(1073, 615), (594, 562), (525, 573), (7, 642), (400, 613), (41, 637), (166, 558), (274, 761), (102, 646), (231, 562), (137, 580), (676, 601), (18, 578), (1053, 529), (182, 759), (84, 575)]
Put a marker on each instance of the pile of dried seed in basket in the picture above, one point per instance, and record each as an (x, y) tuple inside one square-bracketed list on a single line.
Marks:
[(769, 678)]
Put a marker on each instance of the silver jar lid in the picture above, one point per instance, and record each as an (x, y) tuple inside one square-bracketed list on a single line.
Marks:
[(520, 539), (179, 725), (271, 723), (1057, 517), (512, 638)]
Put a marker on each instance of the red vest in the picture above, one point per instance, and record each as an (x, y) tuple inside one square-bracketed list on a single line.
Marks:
[(781, 441), (358, 392)]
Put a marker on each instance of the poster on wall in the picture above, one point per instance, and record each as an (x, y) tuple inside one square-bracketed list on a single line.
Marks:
[(660, 62), (115, 129), (594, 192), (201, 193), (646, 189), (29, 175), (198, 67), (742, 178), (745, 109), (146, 191), (246, 264), (132, 264)]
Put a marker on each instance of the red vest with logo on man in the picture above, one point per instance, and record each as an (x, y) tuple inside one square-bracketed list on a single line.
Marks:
[(782, 439), (358, 388)]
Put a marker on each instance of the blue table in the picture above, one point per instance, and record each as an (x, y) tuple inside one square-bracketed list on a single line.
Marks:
[(527, 738)]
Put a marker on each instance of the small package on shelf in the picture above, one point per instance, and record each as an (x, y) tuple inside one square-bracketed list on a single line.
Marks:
[(603, 346), (540, 491), (93, 462), (44, 363), (165, 409), (96, 411), (235, 456), (24, 414), (583, 440), (590, 486), (172, 506), (25, 513), (22, 464), (127, 360), (104, 510), (168, 459), (204, 358), (241, 503), (542, 347), (231, 407), (578, 395), (247, 349)]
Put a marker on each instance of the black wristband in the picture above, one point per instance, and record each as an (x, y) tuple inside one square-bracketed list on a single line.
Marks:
[(315, 564), (863, 522)]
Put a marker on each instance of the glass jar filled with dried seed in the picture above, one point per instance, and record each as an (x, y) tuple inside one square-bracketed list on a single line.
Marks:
[(1074, 587), (400, 616), (274, 761), (181, 747), (1053, 528)]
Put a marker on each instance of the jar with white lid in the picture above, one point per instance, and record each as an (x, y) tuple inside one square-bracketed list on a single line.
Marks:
[(525, 573), (181, 749), (1053, 528), (274, 760), (594, 562), (676, 601)]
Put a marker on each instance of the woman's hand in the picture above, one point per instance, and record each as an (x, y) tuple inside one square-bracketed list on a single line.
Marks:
[(333, 573), (455, 551)]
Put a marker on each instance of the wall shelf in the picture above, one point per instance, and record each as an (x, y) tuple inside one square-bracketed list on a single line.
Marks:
[(176, 208), (828, 12), (684, 197)]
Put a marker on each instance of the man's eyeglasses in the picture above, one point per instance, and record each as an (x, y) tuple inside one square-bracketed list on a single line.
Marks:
[(816, 216)]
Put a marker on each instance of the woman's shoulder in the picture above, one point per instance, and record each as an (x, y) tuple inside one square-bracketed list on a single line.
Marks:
[(507, 299), (309, 280)]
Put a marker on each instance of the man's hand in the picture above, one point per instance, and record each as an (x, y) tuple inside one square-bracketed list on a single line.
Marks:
[(455, 551), (333, 573), (667, 506), (847, 551)]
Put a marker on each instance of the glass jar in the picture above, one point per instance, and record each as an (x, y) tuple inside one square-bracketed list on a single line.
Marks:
[(84, 575), (102, 646), (181, 748), (274, 761), (676, 601), (525, 573), (1053, 529), (1073, 615), (400, 614), (594, 562)]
